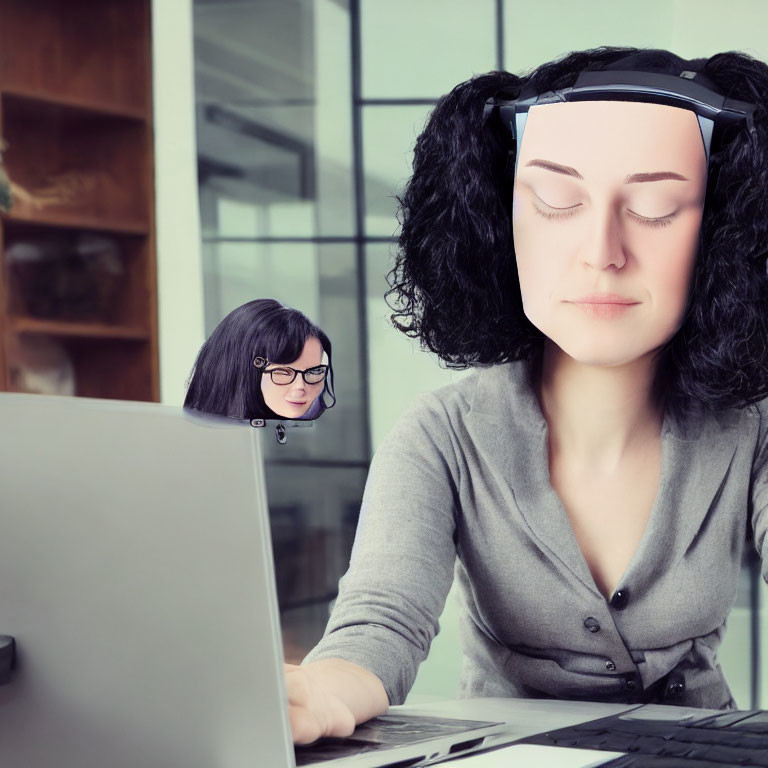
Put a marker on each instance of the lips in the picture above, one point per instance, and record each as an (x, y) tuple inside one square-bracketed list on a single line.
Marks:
[(604, 305), (604, 298)]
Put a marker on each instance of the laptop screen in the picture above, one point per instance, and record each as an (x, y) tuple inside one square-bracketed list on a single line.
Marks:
[(136, 577)]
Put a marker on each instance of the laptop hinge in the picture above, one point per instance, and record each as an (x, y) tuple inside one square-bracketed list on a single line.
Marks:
[(7, 658)]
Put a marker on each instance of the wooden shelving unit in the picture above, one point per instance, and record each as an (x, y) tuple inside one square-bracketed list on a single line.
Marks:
[(79, 252)]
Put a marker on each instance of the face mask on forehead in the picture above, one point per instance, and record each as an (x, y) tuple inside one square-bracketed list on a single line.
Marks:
[(717, 115)]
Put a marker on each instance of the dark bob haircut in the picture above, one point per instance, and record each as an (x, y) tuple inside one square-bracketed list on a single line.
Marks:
[(224, 380), (455, 284)]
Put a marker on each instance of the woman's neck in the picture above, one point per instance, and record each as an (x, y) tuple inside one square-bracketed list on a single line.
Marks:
[(595, 414)]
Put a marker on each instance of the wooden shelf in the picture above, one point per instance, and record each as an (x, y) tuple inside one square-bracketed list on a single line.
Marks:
[(79, 243), (64, 329), (88, 107), (90, 52), (87, 167), (64, 220)]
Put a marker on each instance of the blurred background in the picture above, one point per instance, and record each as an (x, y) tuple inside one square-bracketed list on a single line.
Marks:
[(173, 159)]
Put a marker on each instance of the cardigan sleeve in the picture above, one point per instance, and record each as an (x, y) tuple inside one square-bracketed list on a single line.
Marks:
[(759, 490), (401, 567)]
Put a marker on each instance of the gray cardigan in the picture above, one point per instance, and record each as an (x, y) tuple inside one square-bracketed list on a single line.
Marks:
[(462, 482)]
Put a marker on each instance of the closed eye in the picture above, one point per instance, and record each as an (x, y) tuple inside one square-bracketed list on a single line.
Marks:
[(655, 221), (564, 213), (556, 213), (549, 206)]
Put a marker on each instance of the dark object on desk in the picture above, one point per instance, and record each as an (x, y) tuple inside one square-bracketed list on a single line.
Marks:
[(7, 658), (732, 738)]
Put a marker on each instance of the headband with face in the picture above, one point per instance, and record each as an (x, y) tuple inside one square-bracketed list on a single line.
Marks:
[(716, 114)]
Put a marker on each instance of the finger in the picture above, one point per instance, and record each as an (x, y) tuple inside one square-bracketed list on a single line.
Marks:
[(297, 689), (340, 722), (304, 726)]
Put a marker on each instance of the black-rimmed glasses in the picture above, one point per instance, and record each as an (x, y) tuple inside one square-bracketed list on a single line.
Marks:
[(284, 374)]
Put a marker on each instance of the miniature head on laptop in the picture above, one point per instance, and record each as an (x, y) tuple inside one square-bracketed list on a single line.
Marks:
[(614, 183), (263, 361)]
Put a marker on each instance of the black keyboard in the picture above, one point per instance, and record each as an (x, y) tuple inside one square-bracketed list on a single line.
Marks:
[(733, 738)]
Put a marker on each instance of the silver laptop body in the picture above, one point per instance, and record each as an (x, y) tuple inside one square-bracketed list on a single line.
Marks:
[(136, 577)]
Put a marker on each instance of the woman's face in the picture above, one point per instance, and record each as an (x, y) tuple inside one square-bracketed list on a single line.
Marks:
[(607, 208), (293, 400)]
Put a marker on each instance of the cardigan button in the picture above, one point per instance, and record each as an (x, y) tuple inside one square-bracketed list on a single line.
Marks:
[(592, 624), (610, 666), (675, 686), (630, 684), (620, 599)]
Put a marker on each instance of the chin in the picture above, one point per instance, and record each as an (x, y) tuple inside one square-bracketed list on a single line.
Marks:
[(608, 345), (603, 355), (293, 412), (287, 411)]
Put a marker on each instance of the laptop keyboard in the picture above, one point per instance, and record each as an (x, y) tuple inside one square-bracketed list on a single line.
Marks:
[(735, 738), (384, 732)]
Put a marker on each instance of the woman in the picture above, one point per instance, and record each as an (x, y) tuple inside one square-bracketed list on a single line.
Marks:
[(600, 253), (263, 361)]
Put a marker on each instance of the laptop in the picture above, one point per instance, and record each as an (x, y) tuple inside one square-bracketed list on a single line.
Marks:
[(136, 578)]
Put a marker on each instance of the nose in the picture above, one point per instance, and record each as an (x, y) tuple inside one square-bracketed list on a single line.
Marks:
[(297, 385), (603, 247)]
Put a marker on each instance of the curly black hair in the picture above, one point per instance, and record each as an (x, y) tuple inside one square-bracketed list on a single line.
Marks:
[(224, 380), (454, 284)]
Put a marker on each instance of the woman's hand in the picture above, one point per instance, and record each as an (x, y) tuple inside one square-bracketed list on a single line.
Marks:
[(314, 711)]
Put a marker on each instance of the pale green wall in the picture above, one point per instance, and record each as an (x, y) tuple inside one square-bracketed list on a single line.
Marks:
[(179, 264)]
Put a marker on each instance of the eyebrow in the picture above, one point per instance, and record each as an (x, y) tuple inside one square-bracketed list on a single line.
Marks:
[(547, 165), (634, 178), (658, 176)]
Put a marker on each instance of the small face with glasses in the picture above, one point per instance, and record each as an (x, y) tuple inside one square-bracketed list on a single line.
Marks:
[(289, 389)]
